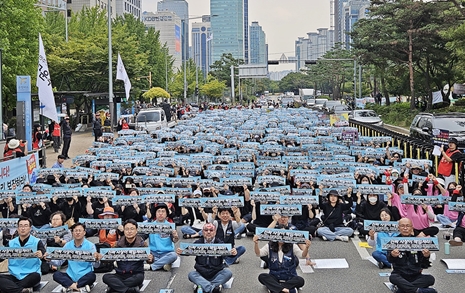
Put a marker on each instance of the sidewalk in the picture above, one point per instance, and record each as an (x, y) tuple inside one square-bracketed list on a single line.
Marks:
[(80, 142)]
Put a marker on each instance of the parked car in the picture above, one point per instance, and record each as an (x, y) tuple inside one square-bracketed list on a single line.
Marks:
[(330, 104), (340, 109), (152, 119), (367, 117), (426, 126)]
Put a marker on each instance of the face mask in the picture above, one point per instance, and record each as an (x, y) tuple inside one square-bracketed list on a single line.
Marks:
[(372, 199), (365, 182), (128, 185)]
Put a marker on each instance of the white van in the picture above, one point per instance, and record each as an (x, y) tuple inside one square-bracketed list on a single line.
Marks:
[(152, 119)]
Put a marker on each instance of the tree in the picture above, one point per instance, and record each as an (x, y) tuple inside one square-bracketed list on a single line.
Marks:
[(213, 89), (177, 85), (156, 92), (221, 69), (20, 24), (294, 81)]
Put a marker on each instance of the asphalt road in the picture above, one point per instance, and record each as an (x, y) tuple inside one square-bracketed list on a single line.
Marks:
[(362, 276)]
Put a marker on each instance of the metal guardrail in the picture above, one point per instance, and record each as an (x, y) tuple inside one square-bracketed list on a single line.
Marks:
[(413, 148)]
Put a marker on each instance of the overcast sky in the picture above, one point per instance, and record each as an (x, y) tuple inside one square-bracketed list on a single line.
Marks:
[(282, 20)]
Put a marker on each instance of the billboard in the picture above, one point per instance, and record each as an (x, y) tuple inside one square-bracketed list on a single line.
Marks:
[(177, 38)]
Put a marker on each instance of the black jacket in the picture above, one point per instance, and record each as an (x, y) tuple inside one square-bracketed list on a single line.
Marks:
[(410, 264), (208, 266), (130, 267)]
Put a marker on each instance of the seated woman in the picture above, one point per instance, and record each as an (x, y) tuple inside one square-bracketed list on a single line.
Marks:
[(332, 219), (57, 219), (375, 240), (283, 259)]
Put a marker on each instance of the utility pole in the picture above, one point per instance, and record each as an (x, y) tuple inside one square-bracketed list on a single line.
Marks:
[(110, 69), (232, 86)]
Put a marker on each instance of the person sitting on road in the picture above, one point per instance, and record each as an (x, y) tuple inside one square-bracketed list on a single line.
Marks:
[(161, 244), (24, 272), (129, 275), (79, 274), (283, 259), (408, 266), (374, 239), (333, 227), (210, 272)]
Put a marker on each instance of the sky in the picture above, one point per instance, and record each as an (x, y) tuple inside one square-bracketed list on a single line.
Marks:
[(283, 21)]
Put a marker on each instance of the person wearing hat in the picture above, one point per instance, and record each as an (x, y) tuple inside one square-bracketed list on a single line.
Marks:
[(129, 275), (66, 130), (210, 272), (332, 219), (14, 149), (59, 162), (109, 236), (449, 156), (162, 244)]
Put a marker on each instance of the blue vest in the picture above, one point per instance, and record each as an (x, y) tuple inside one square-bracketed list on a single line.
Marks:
[(286, 269), (21, 267), (77, 269), (161, 243)]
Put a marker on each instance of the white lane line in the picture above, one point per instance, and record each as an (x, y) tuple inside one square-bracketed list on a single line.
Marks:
[(363, 252)]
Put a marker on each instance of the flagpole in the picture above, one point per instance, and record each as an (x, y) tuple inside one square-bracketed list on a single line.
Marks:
[(110, 68)]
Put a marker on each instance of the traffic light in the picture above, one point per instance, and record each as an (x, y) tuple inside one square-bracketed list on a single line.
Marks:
[(196, 91)]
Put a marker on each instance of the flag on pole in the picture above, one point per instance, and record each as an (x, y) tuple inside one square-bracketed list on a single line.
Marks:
[(209, 38), (46, 97), (121, 74)]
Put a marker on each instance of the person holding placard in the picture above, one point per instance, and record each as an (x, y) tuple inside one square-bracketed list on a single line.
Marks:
[(24, 272), (109, 236), (408, 265), (226, 229), (283, 259), (57, 219), (374, 239), (210, 272), (162, 245), (449, 156), (79, 274), (332, 220), (129, 275)]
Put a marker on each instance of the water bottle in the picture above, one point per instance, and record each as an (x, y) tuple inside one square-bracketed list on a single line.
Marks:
[(199, 289), (446, 248)]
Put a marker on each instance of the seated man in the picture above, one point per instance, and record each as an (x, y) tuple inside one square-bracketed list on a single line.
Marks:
[(408, 265), (162, 245), (24, 272), (129, 274), (226, 228), (79, 274), (210, 272)]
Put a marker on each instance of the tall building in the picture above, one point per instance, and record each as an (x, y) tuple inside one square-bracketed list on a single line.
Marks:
[(181, 9), (313, 47), (169, 25), (246, 32), (201, 44), (338, 31), (258, 52), (227, 24), (118, 7), (353, 10)]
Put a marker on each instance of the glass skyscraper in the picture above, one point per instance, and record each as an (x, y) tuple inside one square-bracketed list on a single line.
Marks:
[(257, 52), (181, 9), (227, 23)]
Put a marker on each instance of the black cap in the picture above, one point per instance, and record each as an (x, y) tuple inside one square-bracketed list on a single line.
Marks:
[(453, 140), (333, 192)]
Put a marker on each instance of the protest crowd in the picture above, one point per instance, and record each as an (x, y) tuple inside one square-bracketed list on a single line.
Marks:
[(283, 177)]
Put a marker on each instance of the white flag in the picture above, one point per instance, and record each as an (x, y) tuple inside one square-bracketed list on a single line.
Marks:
[(210, 37), (121, 74), (46, 97)]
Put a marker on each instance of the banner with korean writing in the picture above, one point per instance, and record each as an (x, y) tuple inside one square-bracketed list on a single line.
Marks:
[(19, 171)]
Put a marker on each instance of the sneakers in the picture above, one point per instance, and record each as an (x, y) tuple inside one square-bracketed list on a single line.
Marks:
[(167, 267), (65, 290), (27, 290), (343, 238), (380, 265), (218, 289), (238, 236), (324, 238), (454, 242), (88, 287), (237, 260), (426, 290)]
